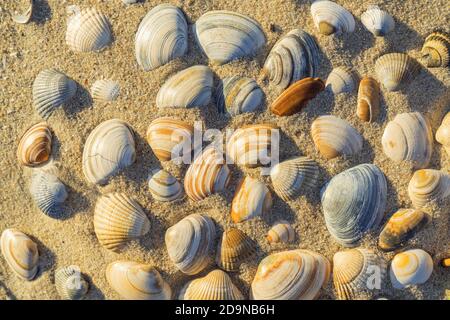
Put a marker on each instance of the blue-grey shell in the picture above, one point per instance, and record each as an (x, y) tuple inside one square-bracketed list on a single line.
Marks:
[(48, 193)]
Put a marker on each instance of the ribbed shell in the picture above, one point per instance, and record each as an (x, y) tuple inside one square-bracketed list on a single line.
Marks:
[(329, 18), (377, 21), (236, 95), (105, 90), (368, 107), (281, 232), (26, 16), (48, 192), (234, 248), (436, 50), (70, 283), (395, 70), (410, 267), (443, 133), (428, 185), (164, 187), (342, 79), (35, 146)]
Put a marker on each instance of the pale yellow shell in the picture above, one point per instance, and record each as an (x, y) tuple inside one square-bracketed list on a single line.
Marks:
[(105, 90), (341, 80), (282, 232), (427, 185), (35, 146), (395, 70), (410, 267), (164, 187), (234, 248), (443, 133)]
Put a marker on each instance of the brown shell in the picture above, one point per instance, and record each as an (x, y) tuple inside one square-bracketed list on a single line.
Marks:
[(368, 99), (234, 248), (35, 146)]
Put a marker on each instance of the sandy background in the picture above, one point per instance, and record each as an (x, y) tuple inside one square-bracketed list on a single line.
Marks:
[(27, 49)]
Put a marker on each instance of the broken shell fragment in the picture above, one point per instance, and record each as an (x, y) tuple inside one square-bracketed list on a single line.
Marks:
[(330, 18), (395, 70), (410, 267), (377, 21), (443, 133), (281, 232), (70, 283), (341, 79), (35, 146), (236, 95), (234, 248), (428, 185), (105, 90), (25, 17), (436, 50), (368, 107), (164, 187)]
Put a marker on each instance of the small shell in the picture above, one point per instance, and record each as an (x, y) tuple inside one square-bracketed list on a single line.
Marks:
[(191, 87), (436, 50), (428, 185), (236, 95), (88, 30), (282, 232), (35, 146), (164, 187), (377, 21), (216, 285), (334, 137), (190, 243), (137, 281), (410, 267), (105, 90), (48, 192), (119, 219), (26, 16), (129, 1), (225, 35), (443, 133), (368, 100), (234, 248), (20, 252), (291, 275), (70, 283), (444, 258), (395, 70), (329, 18), (341, 79), (408, 138)]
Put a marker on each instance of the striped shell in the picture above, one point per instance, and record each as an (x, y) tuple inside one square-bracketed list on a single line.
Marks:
[(26, 16), (377, 21), (281, 232), (443, 133), (410, 267), (234, 248), (436, 50), (368, 107), (35, 146), (105, 90), (341, 79), (427, 185), (164, 187), (70, 283), (330, 18), (395, 70)]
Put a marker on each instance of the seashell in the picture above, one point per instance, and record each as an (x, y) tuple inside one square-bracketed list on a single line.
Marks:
[(129, 1), (190, 243), (119, 219), (444, 258), (443, 133), (208, 174), (234, 248), (225, 35), (353, 270), (297, 96), (25, 17), (408, 138), (341, 79), (162, 36), (35, 146), (377, 21), (291, 176), (137, 281), (436, 50), (294, 57), (334, 137), (238, 95), (427, 185), (88, 30), (401, 227), (216, 285), (164, 187), (395, 70), (291, 275), (410, 267), (51, 89), (330, 18), (368, 106), (282, 232), (20, 252), (353, 203), (70, 283), (105, 90), (109, 148), (191, 87)]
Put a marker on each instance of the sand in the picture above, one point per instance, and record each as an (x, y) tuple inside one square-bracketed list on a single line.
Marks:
[(27, 49)]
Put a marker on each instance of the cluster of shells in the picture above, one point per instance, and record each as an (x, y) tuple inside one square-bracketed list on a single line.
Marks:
[(353, 201)]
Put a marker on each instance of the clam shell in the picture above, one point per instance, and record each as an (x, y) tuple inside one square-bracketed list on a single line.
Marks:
[(35, 146), (105, 90), (291, 275), (190, 243), (341, 79), (410, 267), (137, 281), (20, 253), (334, 137), (443, 133), (395, 70), (353, 203), (368, 107), (436, 50), (119, 219), (281, 232), (70, 283), (234, 248), (109, 148), (427, 185), (162, 36), (24, 17), (164, 187), (330, 18), (377, 21), (225, 35), (408, 138)]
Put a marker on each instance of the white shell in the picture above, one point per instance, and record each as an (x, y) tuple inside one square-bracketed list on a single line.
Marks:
[(25, 17), (341, 79), (443, 133), (395, 70), (164, 187), (282, 232), (70, 283), (427, 185), (329, 18), (410, 267), (105, 90), (377, 21), (236, 95)]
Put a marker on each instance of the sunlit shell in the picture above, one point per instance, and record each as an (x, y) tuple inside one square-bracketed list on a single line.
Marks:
[(329, 18), (395, 70), (368, 107), (164, 187), (377, 21), (129, 1), (428, 185), (35, 146), (341, 79), (26, 16), (436, 50), (70, 283), (234, 248), (410, 267), (282, 232), (105, 90), (443, 133), (444, 258)]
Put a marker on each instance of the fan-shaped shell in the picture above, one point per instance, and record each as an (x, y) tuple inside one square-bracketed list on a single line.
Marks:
[(395, 70), (234, 248), (137, 281), (164, 187), (410, 267), (329, 18), (443, 133), (341, 79), (35, 146), (377, 21), (190, 243), (282, 232), (353, 203), (26, 16), (105, 90), (436, 49), (427, 185), (119, 219), (109, 148), (334, 137), (291, 275), (20, 252), (236, 95), (368, 106), (70, 283)]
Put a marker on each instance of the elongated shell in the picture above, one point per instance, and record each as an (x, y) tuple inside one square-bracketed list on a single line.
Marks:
[(119, 219), (105, 90), (341, 79), (88, 30), (377, 21), (70, 283), (20, 253), (164, 187), (234, 248), (334, 137), (368, 107), (410, 267), (427, 185), (190, 243), (162, 36), (51, 89), (109, 148), (216, 285), (137, 281), (236, 95), (48, 192), (35, 146), (443, 133), (282, 232), (436, 50), (26, 16), (225, 35), (291, 275), (329, 18), (353, 203), (395, 70)]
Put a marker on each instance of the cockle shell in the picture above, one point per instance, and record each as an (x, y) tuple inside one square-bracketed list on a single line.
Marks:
[(427, 185), (282, 232), (234, 248), (252, 199), (291, 275), (401, 227), (20, 253), (341, 79), (137, 281), (191, 87), (190, 243), (408, 138), (216, 285), (377, 21), (164, 187), (395, 70), (70, 283), (225, 35), (329, 18), (35, 146), (334, 137), (26, 16), (109, 148), (368, 106), (88, 30), (353, 203), (119, 219), (162, 36), (436, 50), (105, 90), (51, 89), (443, 133), (410, 267)]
